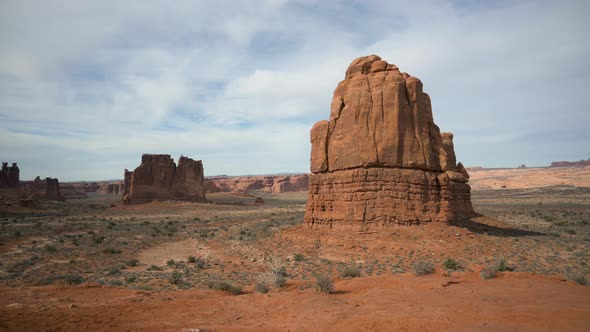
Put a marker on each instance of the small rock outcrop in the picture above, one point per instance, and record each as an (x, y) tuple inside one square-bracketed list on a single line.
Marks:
[(581, 163), (9, 176), (52, 191), (380, 159), (158, 178)]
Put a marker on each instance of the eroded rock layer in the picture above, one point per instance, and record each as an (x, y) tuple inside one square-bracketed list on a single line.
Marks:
[(381, 159), (158, 178)]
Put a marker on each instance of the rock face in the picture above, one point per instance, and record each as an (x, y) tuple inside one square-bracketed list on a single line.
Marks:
[(274, 184), (52, 191), (380, 159), (9, 176), (158, 178), (580, 163)]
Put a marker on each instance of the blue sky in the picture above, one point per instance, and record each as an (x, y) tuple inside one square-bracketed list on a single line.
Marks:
[(86, 87)]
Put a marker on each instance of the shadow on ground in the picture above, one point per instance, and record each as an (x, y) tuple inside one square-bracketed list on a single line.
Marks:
[(471, 224)]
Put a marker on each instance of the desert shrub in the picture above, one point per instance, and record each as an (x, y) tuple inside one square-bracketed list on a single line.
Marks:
[(502, 266), (115, 271), (298, 257), (489, 272), (579, 278), (197, 261), (73, 279), (154, 268), (570, 231), (50, 248), (225, 286), (170, 262), (130, 279), (132, 262), (324, 284), (423, 268), (112, 251), (451, 264), (98, 239), (351, 272), (175, 278), (262, 287)]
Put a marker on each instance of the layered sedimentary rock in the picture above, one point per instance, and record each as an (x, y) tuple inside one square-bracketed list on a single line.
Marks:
[(267, 183), (581, 163), (381, 159), (52, 191), (158, 178), (48, 189)]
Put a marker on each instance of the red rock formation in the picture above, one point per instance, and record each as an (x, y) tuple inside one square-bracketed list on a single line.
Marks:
[(267, 183), (52, 191), (381, 159), (9, 176), (580, 163), (158, 178)]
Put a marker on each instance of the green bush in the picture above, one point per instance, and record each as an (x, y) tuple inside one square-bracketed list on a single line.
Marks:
[(50, 248), (423, 268), (351, 272), (324, 284), (132, 262), (175, 278), (154, 268), (489, 272), (73, 279), (502, 266), (170, 262), (451, 264), (130, 279), (262, 287), (225, 286), (298, 257), (579, 278), (112, 251)]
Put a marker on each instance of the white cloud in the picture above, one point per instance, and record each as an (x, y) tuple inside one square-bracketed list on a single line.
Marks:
[(239, 83)]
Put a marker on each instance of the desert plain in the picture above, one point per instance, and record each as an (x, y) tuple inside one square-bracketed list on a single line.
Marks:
[(233, 265)]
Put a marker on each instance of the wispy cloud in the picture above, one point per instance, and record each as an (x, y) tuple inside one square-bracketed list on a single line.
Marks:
[(86, 87)]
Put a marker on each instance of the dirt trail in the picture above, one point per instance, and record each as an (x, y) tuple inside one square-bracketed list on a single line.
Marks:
[(464, 302)]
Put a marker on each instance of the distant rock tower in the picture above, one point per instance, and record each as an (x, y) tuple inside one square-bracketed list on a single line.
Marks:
[(9, 176), (158, 178), (380, 159)]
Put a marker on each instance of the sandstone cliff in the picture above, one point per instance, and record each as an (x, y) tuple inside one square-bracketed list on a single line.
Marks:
[(158, 178), (267, 183), (381, 159)]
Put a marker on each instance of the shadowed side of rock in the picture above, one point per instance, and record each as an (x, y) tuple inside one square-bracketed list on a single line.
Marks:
[(158, 178), (381, 159)]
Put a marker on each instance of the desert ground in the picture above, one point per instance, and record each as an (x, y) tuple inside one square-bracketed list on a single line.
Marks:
[(232, 265)]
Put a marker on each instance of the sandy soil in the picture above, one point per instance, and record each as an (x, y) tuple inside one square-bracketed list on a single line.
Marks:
[(512, 302), (84, 265)]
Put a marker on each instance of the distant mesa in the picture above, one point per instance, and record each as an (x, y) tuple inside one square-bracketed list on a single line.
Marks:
[(580, 163), (380, 159), (158, 178), (274, 184)]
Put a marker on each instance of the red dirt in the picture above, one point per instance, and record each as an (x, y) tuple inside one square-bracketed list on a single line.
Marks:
[(464, 302)]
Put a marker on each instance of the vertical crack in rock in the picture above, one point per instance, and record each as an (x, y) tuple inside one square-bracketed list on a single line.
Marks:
[(388, 162)]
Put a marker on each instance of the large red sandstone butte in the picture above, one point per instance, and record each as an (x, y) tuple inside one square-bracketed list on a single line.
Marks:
[(158, 178), (380, 159)]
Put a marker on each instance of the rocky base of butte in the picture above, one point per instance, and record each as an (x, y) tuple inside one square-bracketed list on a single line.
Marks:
[(380, 159)]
